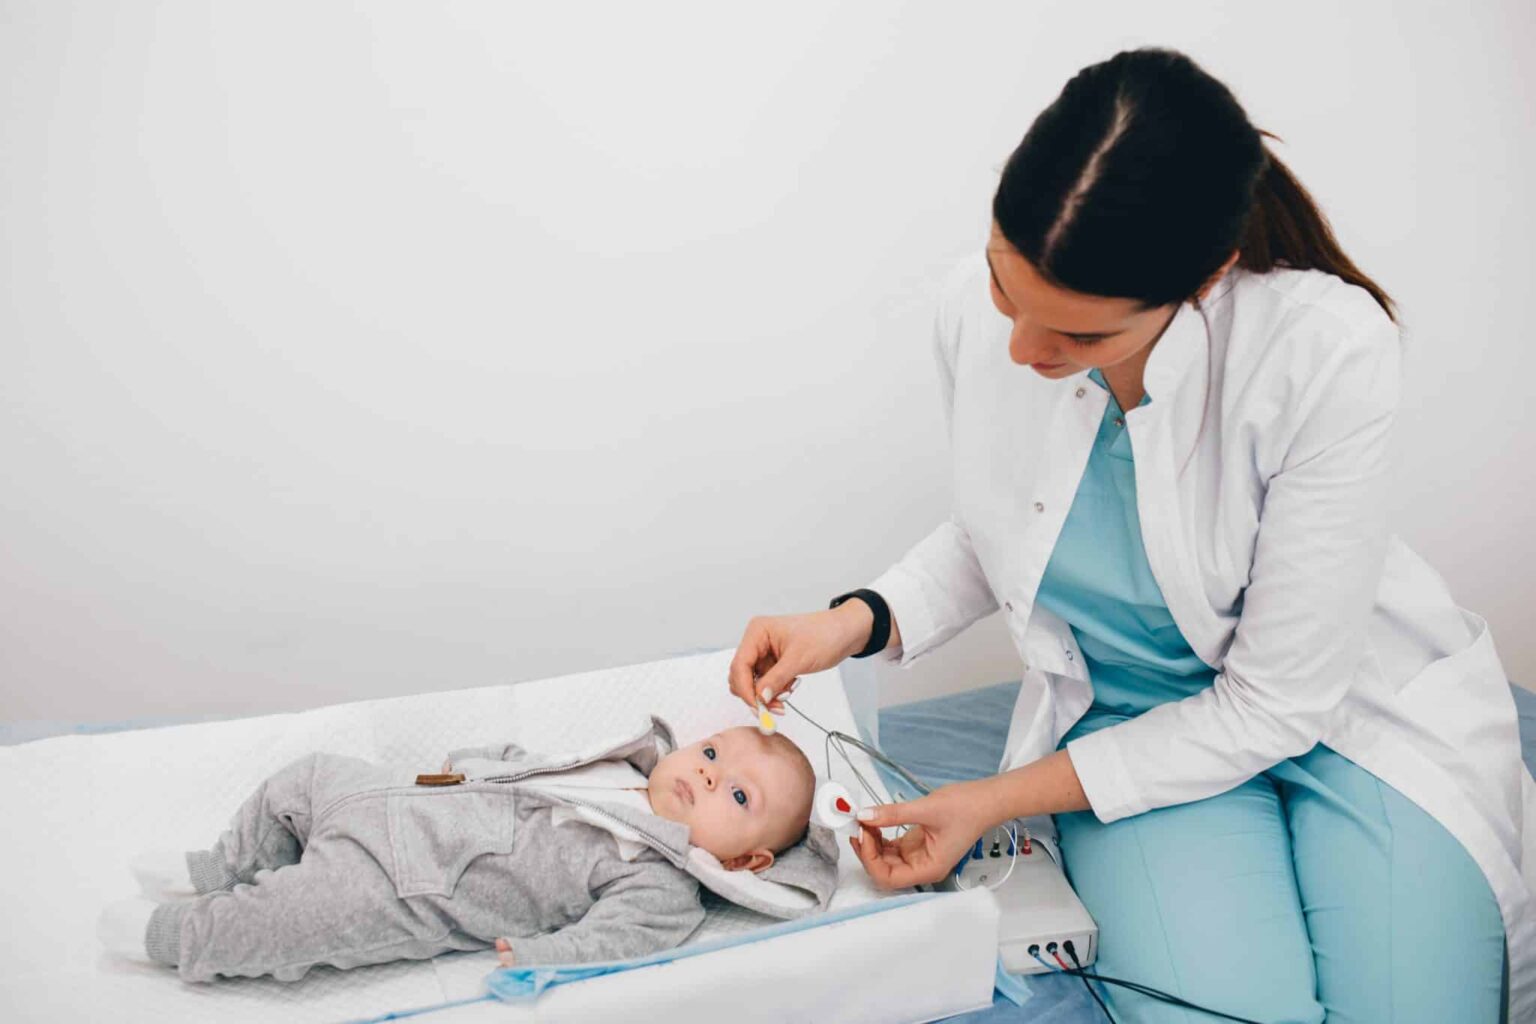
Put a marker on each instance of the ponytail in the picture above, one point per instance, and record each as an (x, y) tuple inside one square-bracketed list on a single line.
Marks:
[(1286, 228)]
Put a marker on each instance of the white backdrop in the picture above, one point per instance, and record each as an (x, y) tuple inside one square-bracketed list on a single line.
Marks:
[(347, 353)]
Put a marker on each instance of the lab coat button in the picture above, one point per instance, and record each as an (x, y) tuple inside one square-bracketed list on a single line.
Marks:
[(1039, 506), (1119, 422), (1081, 392)]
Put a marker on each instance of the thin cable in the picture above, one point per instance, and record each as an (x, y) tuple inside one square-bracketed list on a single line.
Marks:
[(1013, 859), (842, 738), (1153, 993), (1072, 952), (834, 736)]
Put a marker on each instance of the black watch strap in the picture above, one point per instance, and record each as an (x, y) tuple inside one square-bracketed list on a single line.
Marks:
[(880, 633)]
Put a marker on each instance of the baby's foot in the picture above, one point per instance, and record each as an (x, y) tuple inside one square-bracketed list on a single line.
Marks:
[(163, 876), (121, 928)]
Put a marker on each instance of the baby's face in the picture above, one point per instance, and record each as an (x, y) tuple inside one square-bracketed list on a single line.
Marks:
[(741, 794)]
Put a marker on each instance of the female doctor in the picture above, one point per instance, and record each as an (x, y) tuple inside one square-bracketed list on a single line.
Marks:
[(1284, 765)]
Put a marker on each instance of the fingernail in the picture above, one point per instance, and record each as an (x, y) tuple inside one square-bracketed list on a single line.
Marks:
[(867, 814), (767, 695)]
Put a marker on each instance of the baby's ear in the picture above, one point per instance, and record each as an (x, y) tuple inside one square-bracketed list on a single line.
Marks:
[(756, 861)]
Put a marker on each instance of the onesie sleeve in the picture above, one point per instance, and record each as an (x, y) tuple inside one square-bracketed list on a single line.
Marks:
[(642, 906)]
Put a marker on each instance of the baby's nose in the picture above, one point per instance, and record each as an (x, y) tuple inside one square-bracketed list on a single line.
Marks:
[(709, 781)]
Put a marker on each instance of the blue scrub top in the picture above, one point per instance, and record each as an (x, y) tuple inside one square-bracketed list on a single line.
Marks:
[(1098, 580)]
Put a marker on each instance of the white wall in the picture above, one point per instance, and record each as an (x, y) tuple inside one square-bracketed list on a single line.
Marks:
[(347, 353)]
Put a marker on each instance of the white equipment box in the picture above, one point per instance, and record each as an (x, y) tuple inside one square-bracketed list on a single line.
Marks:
[(1039, 908)]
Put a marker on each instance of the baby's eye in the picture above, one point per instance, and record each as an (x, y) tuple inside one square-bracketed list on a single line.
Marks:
[(740, 795), (709, 752)]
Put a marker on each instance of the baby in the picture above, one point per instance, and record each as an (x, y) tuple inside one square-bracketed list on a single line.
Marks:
[(590, 856)]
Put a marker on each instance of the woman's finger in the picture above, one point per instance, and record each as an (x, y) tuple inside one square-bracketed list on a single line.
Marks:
[(743, 666), (889, 863), (871, 856), (777, 704), (774, 681)]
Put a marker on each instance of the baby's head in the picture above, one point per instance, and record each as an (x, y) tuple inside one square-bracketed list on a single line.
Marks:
[(744, 796)]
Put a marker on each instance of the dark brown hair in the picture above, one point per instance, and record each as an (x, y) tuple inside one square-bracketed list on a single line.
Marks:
[(1144, 175)]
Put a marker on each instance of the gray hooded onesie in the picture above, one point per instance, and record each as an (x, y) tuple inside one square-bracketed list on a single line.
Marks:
[(376, 868)]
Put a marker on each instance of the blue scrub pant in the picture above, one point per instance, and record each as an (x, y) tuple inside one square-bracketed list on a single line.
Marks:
[(1312, 890)]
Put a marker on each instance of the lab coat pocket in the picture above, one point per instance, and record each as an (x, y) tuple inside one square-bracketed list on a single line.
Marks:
[(1461, 704), (434, 834), (1455, 689)]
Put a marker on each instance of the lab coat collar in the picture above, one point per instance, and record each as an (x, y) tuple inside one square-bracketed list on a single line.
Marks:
[(1182, 347)]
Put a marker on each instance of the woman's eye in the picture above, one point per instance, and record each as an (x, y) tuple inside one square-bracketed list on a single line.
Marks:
[(1084, 340), (740, 795), (709, 752)]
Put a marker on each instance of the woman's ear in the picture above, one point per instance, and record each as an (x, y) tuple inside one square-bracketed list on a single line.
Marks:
[(1210, 282), (756, 861)]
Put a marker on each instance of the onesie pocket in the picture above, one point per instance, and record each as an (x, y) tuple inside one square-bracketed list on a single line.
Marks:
[(435, 833)]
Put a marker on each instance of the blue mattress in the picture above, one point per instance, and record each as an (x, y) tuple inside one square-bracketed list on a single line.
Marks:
[(961, 736)]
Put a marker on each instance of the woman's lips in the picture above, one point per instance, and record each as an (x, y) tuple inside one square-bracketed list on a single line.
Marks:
[(1047, 366), (684, 791)]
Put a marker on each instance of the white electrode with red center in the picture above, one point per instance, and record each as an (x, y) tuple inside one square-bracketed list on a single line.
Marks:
[(834, 807)]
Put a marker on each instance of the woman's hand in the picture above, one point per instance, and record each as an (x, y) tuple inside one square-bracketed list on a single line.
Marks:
[(945, 825), (777, 650), (504, 954)]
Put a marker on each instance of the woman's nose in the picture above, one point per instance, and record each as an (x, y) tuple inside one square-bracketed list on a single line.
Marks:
[(1030, 344)]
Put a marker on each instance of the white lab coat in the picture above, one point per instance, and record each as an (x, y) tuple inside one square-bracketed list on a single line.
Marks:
[(1260, 464)]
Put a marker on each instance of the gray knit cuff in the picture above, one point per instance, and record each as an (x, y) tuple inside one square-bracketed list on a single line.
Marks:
[(208, 871), (162, 936)]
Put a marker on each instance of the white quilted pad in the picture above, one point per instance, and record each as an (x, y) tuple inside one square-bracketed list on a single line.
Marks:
[(80, 806)]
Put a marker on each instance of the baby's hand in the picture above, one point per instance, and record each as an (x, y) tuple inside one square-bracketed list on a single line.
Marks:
[(447, 765), (504, 952)]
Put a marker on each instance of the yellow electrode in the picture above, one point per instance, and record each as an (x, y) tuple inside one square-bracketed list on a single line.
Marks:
[(765, 723)]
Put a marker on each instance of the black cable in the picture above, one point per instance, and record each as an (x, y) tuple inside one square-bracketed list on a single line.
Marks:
[(1134, 986), (1067, 946), (1164, 996)]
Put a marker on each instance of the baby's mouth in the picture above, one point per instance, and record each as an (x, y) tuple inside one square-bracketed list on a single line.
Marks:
[(684, 791)]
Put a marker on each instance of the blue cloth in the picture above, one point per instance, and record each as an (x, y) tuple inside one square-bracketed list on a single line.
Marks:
[(524, 984)]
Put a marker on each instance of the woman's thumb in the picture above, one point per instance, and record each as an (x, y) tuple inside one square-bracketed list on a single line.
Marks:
[(886, 815)]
